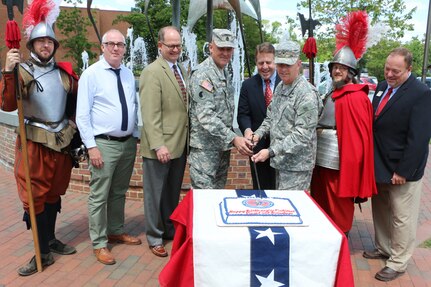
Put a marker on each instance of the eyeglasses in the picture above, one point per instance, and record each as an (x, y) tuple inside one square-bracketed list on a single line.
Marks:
[(339, 67), (111, 45), (171, 47)]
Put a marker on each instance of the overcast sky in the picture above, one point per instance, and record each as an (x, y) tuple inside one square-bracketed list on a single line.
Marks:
[(277, 10)]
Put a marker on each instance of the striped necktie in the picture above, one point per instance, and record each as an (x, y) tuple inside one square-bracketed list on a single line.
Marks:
[(180, 83)]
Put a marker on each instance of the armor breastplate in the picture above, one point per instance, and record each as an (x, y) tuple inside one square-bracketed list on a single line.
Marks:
[(45, 104), (327, 119), (327, 149), (327, 142)]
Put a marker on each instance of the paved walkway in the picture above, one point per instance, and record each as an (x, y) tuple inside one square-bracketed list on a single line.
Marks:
[(137, 266)]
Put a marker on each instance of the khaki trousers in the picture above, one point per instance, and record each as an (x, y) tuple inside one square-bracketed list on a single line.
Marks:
[(395, 215), (108, 187)]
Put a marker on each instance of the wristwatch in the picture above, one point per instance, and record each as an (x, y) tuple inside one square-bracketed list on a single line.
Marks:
[(271, 152)]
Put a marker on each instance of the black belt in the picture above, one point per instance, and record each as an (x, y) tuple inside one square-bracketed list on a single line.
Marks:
[(326, 128), (112, 138)]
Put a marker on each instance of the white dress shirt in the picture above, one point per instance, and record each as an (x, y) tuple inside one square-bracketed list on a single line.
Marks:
[(98, 106)]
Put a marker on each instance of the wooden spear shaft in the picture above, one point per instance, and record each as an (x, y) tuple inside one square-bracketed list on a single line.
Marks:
[(24, 151)]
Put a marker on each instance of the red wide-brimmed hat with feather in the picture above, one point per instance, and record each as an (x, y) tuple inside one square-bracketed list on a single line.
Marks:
[(351, 40)]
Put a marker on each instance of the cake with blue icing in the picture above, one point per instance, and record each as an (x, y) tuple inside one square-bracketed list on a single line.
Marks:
[(259, 211)]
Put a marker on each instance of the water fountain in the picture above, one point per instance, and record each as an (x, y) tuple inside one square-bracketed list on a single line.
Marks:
[(129, 64), (237, 63), (190, 50), (140, 57)]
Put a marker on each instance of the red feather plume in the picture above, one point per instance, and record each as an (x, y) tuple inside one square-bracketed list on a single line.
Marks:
[(36, 12), (352, 31)]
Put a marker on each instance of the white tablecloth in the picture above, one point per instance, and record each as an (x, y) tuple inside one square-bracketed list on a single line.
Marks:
[(205, 254)]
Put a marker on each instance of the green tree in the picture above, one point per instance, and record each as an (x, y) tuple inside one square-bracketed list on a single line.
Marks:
[(393, 13), (325, 49), (73, 26), (417, 48), (375, 57), (273, 31)]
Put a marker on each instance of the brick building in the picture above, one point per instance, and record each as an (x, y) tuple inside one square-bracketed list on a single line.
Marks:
[(103, 19)]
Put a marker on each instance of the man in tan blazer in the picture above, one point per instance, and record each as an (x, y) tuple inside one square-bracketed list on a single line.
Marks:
[(162, 89)]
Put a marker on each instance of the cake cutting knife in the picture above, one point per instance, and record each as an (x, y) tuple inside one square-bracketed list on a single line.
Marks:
[(255, 172)]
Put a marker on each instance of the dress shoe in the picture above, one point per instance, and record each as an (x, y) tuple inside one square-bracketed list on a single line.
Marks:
[(388, 274), (104, 256), (159, 250), (31, 267), (124, 238), (59, 247), (375, 254)]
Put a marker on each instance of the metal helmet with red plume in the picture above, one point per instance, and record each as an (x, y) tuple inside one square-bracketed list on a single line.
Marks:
[(351, 39), (38, 20)]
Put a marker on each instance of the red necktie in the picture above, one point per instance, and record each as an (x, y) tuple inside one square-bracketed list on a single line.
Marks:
[(268, 92), (383, 102), (180, 83)]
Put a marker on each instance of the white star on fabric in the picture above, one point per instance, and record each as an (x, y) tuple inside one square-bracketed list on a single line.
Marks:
[(267, 233), (269, 281)]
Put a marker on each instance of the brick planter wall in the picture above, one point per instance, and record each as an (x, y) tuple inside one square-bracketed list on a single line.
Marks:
[(7, 143), (239, 176)]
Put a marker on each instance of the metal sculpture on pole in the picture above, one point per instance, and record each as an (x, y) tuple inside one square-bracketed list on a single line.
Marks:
[(310, 47), (90, 16)]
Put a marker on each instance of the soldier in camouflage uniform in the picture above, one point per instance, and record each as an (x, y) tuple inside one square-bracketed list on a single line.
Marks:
[(292, 118), (211, 116)]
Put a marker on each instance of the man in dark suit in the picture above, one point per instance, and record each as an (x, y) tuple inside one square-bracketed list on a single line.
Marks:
[(402, 129), (256, 93)]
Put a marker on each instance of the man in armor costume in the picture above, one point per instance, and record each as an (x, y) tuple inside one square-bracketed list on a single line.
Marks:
[(49, 100), (344, 171)]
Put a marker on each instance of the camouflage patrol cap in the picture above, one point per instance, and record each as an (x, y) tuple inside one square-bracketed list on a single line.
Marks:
[(287, 53), (223, 38)]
